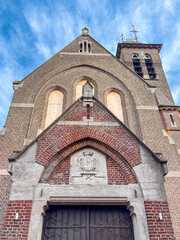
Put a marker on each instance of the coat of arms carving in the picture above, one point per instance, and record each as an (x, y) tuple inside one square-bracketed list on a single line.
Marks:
[(88, 166), (88, 163)]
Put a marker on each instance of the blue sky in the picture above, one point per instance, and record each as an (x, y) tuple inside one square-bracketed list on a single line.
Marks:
[(33, 31)]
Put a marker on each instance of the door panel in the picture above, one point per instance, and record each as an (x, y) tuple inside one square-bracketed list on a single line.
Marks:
[(87, 223), (110, 222)]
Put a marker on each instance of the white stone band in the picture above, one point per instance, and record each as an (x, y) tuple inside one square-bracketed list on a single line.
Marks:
[(29, 105), (173, 174), (4, 172), (147, 108)]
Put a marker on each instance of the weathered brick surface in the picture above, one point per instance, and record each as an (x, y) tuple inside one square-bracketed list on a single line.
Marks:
[(60, 174), (159, 229), (173, 192), (5, 184), (115, 174), (17, 229)]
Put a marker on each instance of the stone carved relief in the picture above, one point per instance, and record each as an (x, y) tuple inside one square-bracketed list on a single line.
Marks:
[(88, 166)]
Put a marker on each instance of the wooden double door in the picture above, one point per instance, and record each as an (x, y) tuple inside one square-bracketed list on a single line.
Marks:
[(87, 223)]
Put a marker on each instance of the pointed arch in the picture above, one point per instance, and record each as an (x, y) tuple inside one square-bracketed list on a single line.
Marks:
[(114, 103), (54, 107), (79, 87), (113, 158)]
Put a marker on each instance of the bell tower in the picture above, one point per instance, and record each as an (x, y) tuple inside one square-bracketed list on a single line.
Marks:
[(144, 59)]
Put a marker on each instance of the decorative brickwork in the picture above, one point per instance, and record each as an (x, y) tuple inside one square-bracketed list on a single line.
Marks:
[(118, 172), (60, 137), (119, 161), (17, 229), (61, 174), (159, 229), (78, 112)]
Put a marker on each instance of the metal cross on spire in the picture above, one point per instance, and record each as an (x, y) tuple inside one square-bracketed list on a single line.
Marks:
[(135, 35)]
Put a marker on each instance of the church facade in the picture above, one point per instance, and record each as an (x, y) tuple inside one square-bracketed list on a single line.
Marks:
[(90, 148)]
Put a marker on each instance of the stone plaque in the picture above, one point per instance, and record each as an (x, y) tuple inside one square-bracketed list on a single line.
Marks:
[(88, 166)]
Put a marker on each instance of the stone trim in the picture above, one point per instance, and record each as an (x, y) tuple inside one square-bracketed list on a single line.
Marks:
[(165, 134), (29, 105), (4, 172), (173, 174), (88, 122), (85, 53), (147, 108), (45, 195)]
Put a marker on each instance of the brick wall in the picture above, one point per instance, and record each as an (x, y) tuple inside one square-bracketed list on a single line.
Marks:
[(115, 175), (60, 174), (60, 137), (17, 229), (5, 184), (173, 192), (159, 229)]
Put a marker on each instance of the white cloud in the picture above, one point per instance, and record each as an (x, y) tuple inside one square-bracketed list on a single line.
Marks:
[(10, 71), (51, 30), (176, 95), (172, 51), (169, 5)]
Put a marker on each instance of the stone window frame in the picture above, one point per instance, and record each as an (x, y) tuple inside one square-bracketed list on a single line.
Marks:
[(172, 120), (123, 102), (88, 45), (45, 104)]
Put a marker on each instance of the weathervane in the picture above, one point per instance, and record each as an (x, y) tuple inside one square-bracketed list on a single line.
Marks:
[(135, 35)]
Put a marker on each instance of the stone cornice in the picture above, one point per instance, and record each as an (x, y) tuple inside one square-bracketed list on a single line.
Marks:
[(136, 45)]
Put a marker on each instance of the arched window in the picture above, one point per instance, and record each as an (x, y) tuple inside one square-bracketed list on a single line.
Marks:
[(54, 108), (79, 88), (114, 104)]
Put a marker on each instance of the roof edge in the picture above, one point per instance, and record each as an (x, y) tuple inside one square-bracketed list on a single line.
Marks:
[(157, 156)]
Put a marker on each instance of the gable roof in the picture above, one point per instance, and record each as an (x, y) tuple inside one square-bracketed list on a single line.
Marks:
[(17, 154), (103, 48)]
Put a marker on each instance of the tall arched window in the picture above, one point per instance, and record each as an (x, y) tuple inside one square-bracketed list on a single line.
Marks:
[(114, 104), (79, 88), (54, 108)]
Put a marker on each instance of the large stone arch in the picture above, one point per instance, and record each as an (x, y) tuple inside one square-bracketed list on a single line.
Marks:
[(56, 78), (64, 153)]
